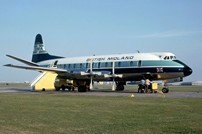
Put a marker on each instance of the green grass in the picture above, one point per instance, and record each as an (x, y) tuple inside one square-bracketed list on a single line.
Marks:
[(48, 113)]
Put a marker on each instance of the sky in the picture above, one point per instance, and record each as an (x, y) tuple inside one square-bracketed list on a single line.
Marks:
[(72, 28)]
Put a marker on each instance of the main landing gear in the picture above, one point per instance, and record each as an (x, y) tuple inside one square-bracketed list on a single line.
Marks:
[(120, 86), (165, 88), (63, 88)]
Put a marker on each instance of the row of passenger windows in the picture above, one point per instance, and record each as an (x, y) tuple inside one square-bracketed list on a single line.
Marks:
[(100, 65)]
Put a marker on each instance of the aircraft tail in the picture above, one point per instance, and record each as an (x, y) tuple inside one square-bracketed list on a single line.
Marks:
[(39, 53)]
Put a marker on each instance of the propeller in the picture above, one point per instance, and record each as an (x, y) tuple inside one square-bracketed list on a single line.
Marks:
[(91, 74), (113, 76)]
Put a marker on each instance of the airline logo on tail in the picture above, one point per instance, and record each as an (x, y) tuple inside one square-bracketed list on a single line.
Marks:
[(38, 45)]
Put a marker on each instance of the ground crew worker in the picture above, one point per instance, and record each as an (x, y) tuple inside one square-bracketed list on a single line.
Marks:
[(142, 82), (142, 85), (147, 85)]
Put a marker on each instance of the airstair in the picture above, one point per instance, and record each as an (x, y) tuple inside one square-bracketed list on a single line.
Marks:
[(44, 82)]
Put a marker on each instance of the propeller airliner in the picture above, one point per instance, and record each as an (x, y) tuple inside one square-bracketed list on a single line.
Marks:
[(59, 72)]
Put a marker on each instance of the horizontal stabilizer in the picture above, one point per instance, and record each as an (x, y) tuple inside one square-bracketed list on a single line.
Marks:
[(43, 69), (22, 60)]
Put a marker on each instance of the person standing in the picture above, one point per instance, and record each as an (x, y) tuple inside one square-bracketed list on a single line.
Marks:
[(147, 85)]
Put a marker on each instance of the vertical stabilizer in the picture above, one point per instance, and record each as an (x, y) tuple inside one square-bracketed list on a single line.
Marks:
[(38, 45), (40, 53)]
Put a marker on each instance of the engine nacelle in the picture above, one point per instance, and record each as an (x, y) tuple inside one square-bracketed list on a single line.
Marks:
[(173, 80)]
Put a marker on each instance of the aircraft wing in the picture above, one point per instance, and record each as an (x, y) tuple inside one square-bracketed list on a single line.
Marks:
[(43, 69), (22, 60)]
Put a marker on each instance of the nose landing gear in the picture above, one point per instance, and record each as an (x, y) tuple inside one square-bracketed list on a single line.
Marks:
[(165, 90)]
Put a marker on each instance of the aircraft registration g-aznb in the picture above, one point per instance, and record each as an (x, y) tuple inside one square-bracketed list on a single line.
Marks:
[(60, 73)]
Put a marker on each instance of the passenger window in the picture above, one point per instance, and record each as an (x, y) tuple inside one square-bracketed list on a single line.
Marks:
[(87, 65), (95, 65), (110, 64), (99, 65), (106, 64), (139, 63), (119, 64), (131, 63)]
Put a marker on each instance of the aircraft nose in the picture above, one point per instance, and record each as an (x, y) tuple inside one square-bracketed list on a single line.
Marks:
[(187, 71)]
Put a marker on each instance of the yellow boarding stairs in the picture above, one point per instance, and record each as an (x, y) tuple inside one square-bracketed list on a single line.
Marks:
[(44, 82)]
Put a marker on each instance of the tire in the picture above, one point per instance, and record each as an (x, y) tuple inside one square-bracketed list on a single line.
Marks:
[(72, 88), (165, 90), (120, 88), (63, 88), (81, 89), (140, 90), (57, 89), (69, 89)]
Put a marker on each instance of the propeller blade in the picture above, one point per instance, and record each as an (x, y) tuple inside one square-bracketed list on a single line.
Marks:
[(97, 73), (113, 67), (84, 73), (113, 85), (119, 75), (91, 73), (91, 82), (91, 65), (107, 76)]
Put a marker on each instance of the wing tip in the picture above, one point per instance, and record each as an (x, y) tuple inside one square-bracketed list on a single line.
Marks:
[(8, 65)]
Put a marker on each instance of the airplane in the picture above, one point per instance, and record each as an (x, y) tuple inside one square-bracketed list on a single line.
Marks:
[(60, 73)]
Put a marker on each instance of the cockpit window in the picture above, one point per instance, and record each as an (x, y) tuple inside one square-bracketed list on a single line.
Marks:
[(166, 58), (169, 58)]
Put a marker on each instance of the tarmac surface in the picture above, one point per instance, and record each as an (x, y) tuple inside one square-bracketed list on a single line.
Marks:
[(101, 92)]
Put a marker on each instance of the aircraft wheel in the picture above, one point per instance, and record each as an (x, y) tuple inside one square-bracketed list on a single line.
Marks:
[(165, 90), (69, 88), (57, 89), (140, 90), (120, 88), (82, 89), (63, 88)]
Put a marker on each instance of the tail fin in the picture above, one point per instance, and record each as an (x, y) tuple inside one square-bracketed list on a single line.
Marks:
[(39, 53)]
